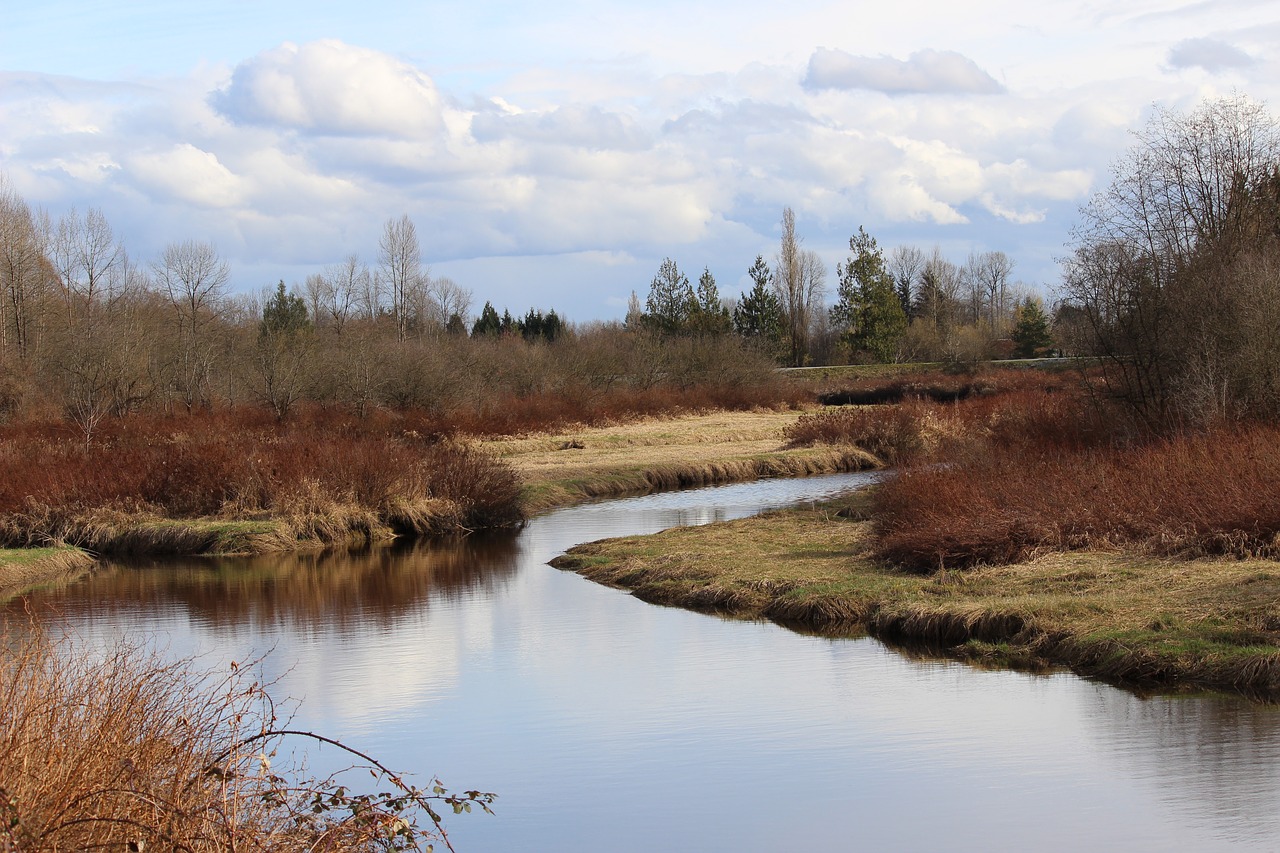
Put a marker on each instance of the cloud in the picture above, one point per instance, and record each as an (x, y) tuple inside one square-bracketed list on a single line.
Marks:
[(189, 174), (924, 72), (577, 126), (328, 87), (1210, 54)]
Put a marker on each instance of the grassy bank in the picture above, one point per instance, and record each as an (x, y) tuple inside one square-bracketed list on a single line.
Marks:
[(654, 454), (22, 568), (1126, 617), (242, 481)]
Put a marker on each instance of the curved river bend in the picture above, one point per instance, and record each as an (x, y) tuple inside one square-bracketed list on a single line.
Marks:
[(607, 724)]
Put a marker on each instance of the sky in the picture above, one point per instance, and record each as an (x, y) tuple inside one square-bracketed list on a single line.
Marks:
[(552, 154)]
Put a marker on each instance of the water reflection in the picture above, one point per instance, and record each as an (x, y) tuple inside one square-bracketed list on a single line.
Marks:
[(340, 591)]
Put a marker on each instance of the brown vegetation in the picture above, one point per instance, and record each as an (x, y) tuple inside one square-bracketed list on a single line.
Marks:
[(120, 749), (324, 477)]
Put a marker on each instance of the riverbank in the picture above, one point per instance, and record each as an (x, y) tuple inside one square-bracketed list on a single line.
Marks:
[(553, 469), (23, 568), (1124, 617), (654, 454)]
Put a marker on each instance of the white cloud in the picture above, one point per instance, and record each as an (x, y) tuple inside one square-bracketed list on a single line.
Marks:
[(329, 87), (184, 172), (924, 72)]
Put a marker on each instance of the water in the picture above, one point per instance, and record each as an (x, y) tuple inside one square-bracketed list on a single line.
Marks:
[(607, 724)]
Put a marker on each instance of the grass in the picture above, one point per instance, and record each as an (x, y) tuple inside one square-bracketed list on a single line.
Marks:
[(120, 749), (660, 453), (21, 568), (1126, 617)]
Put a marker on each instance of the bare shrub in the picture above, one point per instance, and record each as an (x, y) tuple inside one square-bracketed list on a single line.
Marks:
[(121, 749)]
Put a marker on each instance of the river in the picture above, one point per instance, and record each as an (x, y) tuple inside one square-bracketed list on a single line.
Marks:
[(608, 724)]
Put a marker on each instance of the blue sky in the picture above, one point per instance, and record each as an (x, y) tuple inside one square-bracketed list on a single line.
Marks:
[(552, 154)]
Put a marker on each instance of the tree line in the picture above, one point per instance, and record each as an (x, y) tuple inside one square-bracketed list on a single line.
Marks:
[(908, 305)]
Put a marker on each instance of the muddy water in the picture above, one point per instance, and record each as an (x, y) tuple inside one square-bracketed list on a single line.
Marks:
[(606, 724)]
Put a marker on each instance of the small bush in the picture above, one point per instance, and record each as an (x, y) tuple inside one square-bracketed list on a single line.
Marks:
[(123, 750)]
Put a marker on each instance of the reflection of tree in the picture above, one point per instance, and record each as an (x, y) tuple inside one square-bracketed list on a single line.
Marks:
[(337, 590)]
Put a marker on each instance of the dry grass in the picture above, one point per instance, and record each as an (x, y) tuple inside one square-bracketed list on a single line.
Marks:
[(1134, 619), (21, 568), (653, 454), (242, 481), (120, 749)]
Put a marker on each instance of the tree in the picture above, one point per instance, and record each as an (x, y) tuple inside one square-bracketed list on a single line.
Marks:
[(488, 323), (671, 300), (758, 316), (282, 353), (867, 312), (194, 278), (906, 263), (1031, 335), (1170, 265), (400, 270), (799, 281), (709, 316), (25, 274)]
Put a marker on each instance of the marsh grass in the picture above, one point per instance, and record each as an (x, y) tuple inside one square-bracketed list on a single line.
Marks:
[(241, 481), (119, 748), (1128, 617)]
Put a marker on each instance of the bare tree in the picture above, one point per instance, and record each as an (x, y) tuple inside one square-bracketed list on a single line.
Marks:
[(193, 278), (25, 273), (799, 280), (335, 295), (1166, 259), (400, 270), (906, 263)]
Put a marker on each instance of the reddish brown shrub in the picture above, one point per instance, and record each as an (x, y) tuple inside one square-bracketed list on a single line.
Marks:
[(1212, 493)]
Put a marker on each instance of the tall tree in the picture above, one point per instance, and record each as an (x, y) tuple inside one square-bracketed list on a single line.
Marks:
[(799, 280), (671, 300), (758, 315), (194, 278), (1173, 265), (1031, 335), (867, 310), (400, 270), (906, 263), (709, 316)]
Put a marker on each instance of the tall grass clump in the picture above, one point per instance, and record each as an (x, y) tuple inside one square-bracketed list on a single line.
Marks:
[(120, 749)]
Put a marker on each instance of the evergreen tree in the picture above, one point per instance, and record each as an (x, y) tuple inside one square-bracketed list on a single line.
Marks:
[(671, 300), (709, 316), (1031, 336), (759, 314), (488, 323), (284, 314), (868, 313)]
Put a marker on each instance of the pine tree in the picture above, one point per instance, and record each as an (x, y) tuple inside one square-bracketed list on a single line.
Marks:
[(488, 323), (868, 312), (671, 300), (758, 316), (1031, 335), (709, 316)]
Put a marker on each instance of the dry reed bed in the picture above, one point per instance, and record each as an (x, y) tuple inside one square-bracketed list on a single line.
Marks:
[(1136, 620), (241, 481), (120, 749)]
